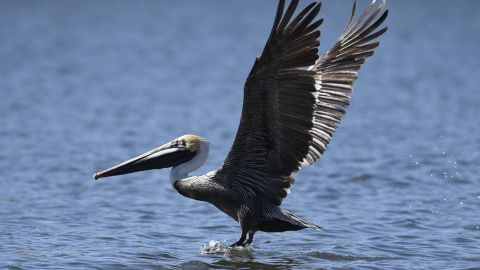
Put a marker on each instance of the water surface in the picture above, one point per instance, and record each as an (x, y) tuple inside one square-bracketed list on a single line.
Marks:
[(87, 84)]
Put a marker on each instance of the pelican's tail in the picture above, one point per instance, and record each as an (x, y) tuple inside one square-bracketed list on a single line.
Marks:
[(300, 221), (286, 221)]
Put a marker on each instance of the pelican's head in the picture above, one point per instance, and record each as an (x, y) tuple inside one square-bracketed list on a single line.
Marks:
[(184, 154)]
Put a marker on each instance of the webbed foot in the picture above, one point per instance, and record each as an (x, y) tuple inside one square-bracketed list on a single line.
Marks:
[(238, 244)]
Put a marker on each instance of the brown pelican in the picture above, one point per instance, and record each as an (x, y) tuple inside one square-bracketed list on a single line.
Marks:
[(293, 101)]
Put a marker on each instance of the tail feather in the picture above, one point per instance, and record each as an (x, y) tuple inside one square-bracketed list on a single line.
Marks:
[(301, 221), (286, 221)]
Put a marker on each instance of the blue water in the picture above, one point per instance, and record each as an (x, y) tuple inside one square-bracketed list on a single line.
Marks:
[(87, 84)]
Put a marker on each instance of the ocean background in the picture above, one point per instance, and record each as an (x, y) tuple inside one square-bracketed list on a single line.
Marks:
[(87, 84)]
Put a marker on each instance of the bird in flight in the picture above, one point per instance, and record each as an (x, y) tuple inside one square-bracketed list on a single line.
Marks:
[(293, 101)]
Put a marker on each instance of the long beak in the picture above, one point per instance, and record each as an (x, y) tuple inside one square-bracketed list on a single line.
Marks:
[(168, 155)]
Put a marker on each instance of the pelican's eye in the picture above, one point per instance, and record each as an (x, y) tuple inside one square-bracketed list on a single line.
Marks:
[(178, 143)]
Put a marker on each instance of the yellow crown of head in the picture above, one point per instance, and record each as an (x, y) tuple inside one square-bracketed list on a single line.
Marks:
[(192, 142)]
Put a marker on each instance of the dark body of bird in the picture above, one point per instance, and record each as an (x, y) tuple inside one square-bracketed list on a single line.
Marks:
[(253, 212)]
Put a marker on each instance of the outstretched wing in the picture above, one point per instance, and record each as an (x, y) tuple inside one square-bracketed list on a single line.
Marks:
[(288, 112)]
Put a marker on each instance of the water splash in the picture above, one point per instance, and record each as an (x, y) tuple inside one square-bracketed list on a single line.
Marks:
[(214, 246), (221, 247)]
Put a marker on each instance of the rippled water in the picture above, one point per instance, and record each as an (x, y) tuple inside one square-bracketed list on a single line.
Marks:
[(86, 84)]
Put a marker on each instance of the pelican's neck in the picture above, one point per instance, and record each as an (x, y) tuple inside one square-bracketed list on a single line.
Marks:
[(181, 171)]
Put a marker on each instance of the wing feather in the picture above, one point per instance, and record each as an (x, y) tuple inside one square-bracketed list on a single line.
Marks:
[(293, 100), (337, 71)]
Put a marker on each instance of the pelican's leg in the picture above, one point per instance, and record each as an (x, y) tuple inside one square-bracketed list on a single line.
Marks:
[(245, 239), (241, 241), (249, 237)]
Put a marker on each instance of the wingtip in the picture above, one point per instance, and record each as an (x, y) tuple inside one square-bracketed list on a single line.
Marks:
[(385, 13), (318, 5)]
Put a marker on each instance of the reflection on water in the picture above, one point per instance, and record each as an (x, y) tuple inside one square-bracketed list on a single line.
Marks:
[(86, 84)]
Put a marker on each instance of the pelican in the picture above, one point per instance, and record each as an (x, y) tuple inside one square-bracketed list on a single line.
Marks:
[(293, 101)]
